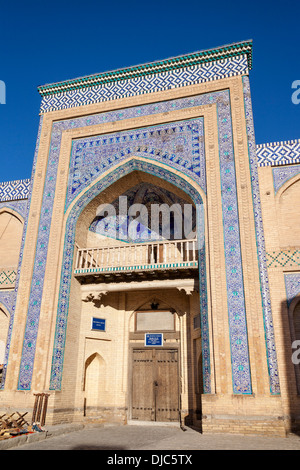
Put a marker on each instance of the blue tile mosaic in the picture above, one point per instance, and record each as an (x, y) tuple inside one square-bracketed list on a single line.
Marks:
[(260, 242), (179, 145), (130, 229), (292, 286)]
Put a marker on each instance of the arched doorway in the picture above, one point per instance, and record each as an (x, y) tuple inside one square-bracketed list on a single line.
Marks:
[(80, 218)]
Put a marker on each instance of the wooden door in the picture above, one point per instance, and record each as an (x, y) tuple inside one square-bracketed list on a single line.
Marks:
[(142, 385), (155, 385)]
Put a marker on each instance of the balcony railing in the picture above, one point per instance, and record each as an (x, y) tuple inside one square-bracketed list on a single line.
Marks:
[(138, 256)]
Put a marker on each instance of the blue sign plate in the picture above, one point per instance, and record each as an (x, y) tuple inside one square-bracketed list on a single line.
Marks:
[(154, 339), (98, 324)]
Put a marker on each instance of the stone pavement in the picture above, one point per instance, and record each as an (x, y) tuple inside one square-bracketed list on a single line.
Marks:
[(148, 437)]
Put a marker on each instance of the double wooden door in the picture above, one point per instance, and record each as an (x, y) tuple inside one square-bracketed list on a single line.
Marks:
[(155, 385)]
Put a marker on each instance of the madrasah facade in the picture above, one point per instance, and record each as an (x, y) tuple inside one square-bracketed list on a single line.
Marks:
[(196, 326)]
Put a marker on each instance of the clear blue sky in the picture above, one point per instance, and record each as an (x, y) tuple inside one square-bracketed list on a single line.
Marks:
[(46, 42)]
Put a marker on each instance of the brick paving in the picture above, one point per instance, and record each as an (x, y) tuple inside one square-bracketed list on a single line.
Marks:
[(153, 438)]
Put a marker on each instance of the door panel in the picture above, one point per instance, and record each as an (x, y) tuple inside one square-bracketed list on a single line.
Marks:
[(167, 389), (142, 385), (155, 385)]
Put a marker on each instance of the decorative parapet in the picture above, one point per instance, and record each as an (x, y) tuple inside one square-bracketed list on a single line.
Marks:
[(278, 153), (14, 190), (198, 67), (8, 277)]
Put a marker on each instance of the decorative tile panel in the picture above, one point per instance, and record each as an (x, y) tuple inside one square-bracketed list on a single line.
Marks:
[(7, 277), (12, 190), (179, 145), (118, 226), (7, 299), (236, 303), (278, 153), (282, 174)]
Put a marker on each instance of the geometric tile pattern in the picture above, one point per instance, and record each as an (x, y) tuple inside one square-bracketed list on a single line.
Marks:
[(138, 267), (22, 208), (180, 144), (12, 190), (286, 258), (292, 286), (260, 241), (278, 153), (179, 77), (267, 154)]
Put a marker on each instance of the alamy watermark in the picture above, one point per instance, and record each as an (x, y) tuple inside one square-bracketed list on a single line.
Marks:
[(296, 353), (296, 93), (2, 92), (163, 221)]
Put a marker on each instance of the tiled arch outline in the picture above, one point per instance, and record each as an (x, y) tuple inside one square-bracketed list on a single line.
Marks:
[(64, 291)]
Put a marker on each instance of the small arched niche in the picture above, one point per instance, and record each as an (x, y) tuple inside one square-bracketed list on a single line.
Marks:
[(4, 324), (94, 382), (289, 220), (11, 230), (294, 318)]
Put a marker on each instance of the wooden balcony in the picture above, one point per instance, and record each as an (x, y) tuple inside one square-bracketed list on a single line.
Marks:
[(138, 261)]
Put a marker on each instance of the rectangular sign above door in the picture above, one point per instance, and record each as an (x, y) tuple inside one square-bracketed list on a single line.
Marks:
[(154, 339)]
